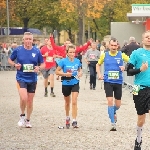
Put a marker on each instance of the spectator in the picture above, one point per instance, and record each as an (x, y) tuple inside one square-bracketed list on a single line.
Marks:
[(98, 44), (131, 46)]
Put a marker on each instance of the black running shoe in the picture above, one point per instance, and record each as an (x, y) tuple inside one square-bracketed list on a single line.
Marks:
[(67, 123), (74, 124), (137, 145)]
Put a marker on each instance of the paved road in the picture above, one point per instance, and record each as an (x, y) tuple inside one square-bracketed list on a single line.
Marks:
[(93, 132)]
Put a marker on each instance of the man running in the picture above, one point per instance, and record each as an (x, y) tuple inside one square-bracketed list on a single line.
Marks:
[(49, 54), (113, 67), (139, 66), (28, 57), (91, 58), (70, 70)]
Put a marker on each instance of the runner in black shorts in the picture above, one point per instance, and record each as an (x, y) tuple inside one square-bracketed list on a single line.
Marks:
[(70, 70), (139, 66), (113, 67)]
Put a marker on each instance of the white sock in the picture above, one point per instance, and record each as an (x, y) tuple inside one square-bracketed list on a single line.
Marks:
[(74, 120), (139, 134), (67, 117)]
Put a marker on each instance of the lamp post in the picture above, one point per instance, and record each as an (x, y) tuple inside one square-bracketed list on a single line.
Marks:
[(7, 6)]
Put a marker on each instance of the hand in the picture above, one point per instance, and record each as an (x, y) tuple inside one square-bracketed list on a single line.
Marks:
[(91, 40), (51, 35), (100, 77), (122, 68), (80, 74), (17, 66), (46, 54), (68, 74), (54, 56), (36, 69), (144, 66), (88, 62)]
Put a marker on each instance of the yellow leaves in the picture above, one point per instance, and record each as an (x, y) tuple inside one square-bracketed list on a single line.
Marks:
[(2, 4)]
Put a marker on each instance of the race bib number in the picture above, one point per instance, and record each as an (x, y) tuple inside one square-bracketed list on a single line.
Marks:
[(113, 75), (28, 68), (49, 59), (135, 89), (92, 56)]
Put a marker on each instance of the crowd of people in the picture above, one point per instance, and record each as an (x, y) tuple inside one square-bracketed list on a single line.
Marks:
[(31, 59)]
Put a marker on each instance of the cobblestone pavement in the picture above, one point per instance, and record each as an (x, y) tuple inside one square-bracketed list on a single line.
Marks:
[(93, 132)]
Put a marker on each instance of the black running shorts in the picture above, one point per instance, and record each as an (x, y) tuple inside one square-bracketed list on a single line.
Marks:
[(142, 101), (30, 86), (67, 89), (113, 87)]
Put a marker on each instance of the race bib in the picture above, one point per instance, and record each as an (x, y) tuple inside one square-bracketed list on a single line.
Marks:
[(28, 68), (49, 59), (135, 89), (113, 75), (92, 56)]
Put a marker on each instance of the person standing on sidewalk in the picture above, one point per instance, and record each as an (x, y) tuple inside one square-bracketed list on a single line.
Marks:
[(29, 62), (139, 66), (70, 70), (113, 78), (91, 58)]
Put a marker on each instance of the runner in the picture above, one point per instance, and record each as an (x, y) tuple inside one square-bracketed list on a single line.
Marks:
[(139, 66), (91, 58), (28, 57), (113, 67), (49, 54), (70, 70)]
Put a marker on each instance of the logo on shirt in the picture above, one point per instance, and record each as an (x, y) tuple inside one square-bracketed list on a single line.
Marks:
[(33, 54), (118, 61)]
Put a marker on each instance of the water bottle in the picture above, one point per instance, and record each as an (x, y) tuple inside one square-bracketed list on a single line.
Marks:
[(60, 127)]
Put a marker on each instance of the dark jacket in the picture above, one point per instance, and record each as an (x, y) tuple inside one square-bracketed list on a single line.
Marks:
[(128, 49)]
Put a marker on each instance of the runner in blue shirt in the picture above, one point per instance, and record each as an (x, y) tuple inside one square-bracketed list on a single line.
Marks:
[(70, 70), (29, 62)]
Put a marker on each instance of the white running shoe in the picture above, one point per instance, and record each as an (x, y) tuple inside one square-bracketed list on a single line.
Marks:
[(28, 124), (21, 122)]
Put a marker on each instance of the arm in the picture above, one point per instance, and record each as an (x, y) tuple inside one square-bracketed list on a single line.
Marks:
[(59, 48), (125, 57), (85, 58), (83, 48), (131, 71)]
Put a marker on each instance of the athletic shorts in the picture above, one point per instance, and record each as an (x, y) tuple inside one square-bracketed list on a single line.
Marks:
[(67, 89), (30, 86), (47, 72), (142, 101), (111, 88)]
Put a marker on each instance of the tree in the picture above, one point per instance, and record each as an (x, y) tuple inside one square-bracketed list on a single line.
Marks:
[(2, 13)]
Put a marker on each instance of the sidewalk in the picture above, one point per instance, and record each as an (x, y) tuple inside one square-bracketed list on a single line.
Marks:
[(93, 132)]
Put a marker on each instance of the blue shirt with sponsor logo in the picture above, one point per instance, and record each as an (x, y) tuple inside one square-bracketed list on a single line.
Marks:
[(72, 67), (138, 57), (28, 60), (112, 71)]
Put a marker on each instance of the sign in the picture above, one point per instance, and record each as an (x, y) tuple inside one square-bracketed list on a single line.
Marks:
[(140, 8)]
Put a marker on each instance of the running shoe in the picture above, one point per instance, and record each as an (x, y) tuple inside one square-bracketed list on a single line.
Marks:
[(21, 122), (52, 94), (28, 124), (115, 117), (46, 94), (113, 127), (74, 124), (67, 123), (91, 87), (137, 145)]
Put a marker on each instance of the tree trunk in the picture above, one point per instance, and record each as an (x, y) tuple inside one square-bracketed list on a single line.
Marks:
[(80, 32), (26, 22)]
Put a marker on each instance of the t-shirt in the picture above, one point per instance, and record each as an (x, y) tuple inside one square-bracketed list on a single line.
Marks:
[(72, 67), (28, 60), (112, 71), (92, 55), (138, 57), (49, 60)]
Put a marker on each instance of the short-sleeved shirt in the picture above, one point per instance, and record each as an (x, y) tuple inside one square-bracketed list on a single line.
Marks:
[(92, 55), (72, 67), (49, 60), (138, 57), (28, 60)]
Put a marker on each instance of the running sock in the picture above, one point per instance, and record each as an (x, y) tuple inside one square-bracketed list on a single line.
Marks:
[(67, 117), (22, 115), (111, 113), (74, 120), (46, 90), (27, 120), (139, 134), (115, 109), (52, 90)]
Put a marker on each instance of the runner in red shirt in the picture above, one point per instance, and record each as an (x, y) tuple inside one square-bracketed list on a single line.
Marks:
[(49, 54)]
